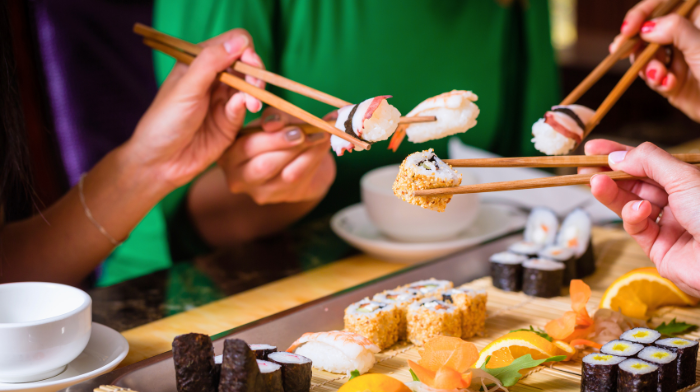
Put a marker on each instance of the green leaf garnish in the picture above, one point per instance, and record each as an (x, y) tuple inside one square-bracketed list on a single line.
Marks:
[(510, 375), (415, 378), (354, 373), (538, 331), (674, 327)]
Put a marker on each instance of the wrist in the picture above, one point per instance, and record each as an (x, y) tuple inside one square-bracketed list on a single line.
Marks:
[(138, 175)]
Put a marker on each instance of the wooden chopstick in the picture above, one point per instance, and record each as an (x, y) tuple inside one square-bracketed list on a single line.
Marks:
[(261, 94), (551, 161), (631, 75), (612, 58)]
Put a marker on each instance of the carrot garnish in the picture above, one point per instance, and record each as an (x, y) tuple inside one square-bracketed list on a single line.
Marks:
[(397, 138), (443, 361), (576, 323)]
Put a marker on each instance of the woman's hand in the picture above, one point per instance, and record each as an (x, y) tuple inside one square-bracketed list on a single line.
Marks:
[(672, 189), (281, 164), (678, 81)]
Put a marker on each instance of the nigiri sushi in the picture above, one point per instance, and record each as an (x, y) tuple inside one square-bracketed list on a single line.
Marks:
[(336, 351), (424, 170), (371, 120), (561, 129)]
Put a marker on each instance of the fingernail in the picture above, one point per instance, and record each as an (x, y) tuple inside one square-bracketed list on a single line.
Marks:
[(651, 74), (636, 205), (272, 118), (293, 135), (648, 27), (616, 156), (664, 81), (236, 45), (314, 137), (622, 28)]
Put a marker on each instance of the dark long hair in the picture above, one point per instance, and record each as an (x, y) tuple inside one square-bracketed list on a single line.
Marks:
[(16, 195)]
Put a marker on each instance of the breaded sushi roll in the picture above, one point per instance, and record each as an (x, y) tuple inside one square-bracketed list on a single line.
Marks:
[(455, 112), (687, 351), (371, 120), (541, 226), (431, 317), (635, 375), (667, 362), (424, 170), (575, 233), (507, 271), (377, 321), (430, 287), (599, 372), (561, 129), (401, 298), (472, 306)]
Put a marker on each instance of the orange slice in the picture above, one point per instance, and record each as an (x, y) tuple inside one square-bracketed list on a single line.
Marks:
[(640, 292), (519, 343), (564, 349), (374, 382)]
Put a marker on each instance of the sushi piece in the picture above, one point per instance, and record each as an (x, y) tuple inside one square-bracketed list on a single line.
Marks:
[(526, 248), (472, 306), (667, 362), (687, 351), (455, 111), (270, 377), (563, 255), (431, 317), (561, 129), (430, 287), (541, 226), (635, 375), (542, 278), (575, 233), (644, 336), (195, 370), (599, 372), (377, 321), (239, 368), (401, 298), (336, 351), (296, 371), (263, 350), (371, 120), (507, 271), (621, 348), (424, 170)]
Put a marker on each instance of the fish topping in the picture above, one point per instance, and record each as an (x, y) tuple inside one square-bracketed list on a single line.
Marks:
[(571, 114)]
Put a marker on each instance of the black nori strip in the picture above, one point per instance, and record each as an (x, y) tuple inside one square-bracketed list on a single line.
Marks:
[(447, 298), (631, 382), (295, 376), (239, 369), (585, 265), (507, 277), (542, 283), (571, 114), (262, 353), (668, 376), (348, 122), (270, 381), (598, 377), (569, 270), (687, 364), (193, 355)]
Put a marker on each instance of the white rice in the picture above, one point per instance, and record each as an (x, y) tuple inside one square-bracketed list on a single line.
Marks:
[(397, 296), (331, 359), (381, 125), (602, 359), (267, 367), (550, 142), (637, 366), (576, 228), (657, 355), (507, 258), (285, 357), (557, 253), (431, 286), (434, 304), (367, 307), (455, 112), (621, 348), (543, 264), (525, 248), (541, 226), (676, 343), (425, 158), (641, 335)]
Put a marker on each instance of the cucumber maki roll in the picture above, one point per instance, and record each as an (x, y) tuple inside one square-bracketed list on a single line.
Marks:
[(195, 370), (296, 371), (575, 233), (635, 375), (687, 351), (562, 255), (270, 378), (621, 348), (542, 278), (526, 248), (263, 350), (507, 271), (644, 336), (599, 372), (667, 362), (239, 368)]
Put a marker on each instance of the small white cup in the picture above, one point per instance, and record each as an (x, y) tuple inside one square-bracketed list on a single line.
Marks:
[(406, 222), (43, 327)]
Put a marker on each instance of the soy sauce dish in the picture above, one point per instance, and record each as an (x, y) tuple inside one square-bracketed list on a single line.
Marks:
[(43, 327)]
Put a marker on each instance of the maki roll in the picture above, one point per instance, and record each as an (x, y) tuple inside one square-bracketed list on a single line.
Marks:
[(668, 366), (335, 351), (561, 129), (401, 298), (239, 368), (371, 120), (424, 170), (507, 271), (270, 378), (526, 248), (195, 370), (644, 336), (562, 255), (575, 233), (635, 375), (599, 372), (430, 317), (687, 351), (296, 371), (430, 287), (541, 226), (455, 111), (263, 350), (472, 306), (542, 278), (377, 321), (621, 348)]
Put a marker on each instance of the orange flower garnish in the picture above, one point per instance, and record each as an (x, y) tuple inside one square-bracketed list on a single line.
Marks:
[(576, 323), (443, 360), (584, 342)]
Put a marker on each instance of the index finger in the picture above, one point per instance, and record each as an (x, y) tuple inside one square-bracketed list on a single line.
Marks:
[(251, 145), (637, 15)]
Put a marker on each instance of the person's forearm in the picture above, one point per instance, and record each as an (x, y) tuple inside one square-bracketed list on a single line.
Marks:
[(62, 244), (223, 218)]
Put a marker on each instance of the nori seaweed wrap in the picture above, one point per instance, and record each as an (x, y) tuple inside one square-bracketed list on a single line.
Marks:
[(263, 350), (563, 255), (296, 371), (507, 271), (599, 372), (635, 375), (687, 351), (667, 362), (585, 265), (542, 278), (195, 371), (239, 369), (270, 378)]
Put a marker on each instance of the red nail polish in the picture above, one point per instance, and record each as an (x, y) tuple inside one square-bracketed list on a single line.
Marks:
[(664, 81), (651, 74), (623, 26), (648, 27)]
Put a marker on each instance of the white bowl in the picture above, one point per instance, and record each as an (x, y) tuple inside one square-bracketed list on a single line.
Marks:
[(406, 222), (43, 327)]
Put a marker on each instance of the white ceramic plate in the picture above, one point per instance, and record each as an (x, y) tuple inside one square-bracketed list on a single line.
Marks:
[(354, 226), (105, 350)]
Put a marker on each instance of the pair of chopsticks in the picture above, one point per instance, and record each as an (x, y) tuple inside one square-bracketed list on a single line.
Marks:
[(545, 182), (185, 52)]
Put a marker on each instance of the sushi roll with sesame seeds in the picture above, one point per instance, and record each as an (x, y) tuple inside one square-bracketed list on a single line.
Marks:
[(430, 287), (401, 299), (667, 362), (687, 351), (635, 375), (472, 306), (621, 348), (526, 248), (575, 233), (563, 255), (599, 372), (644, 336), (424, 170), (377, 321), (431, 317), (507, 271), (542, 278), (561, 129)]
